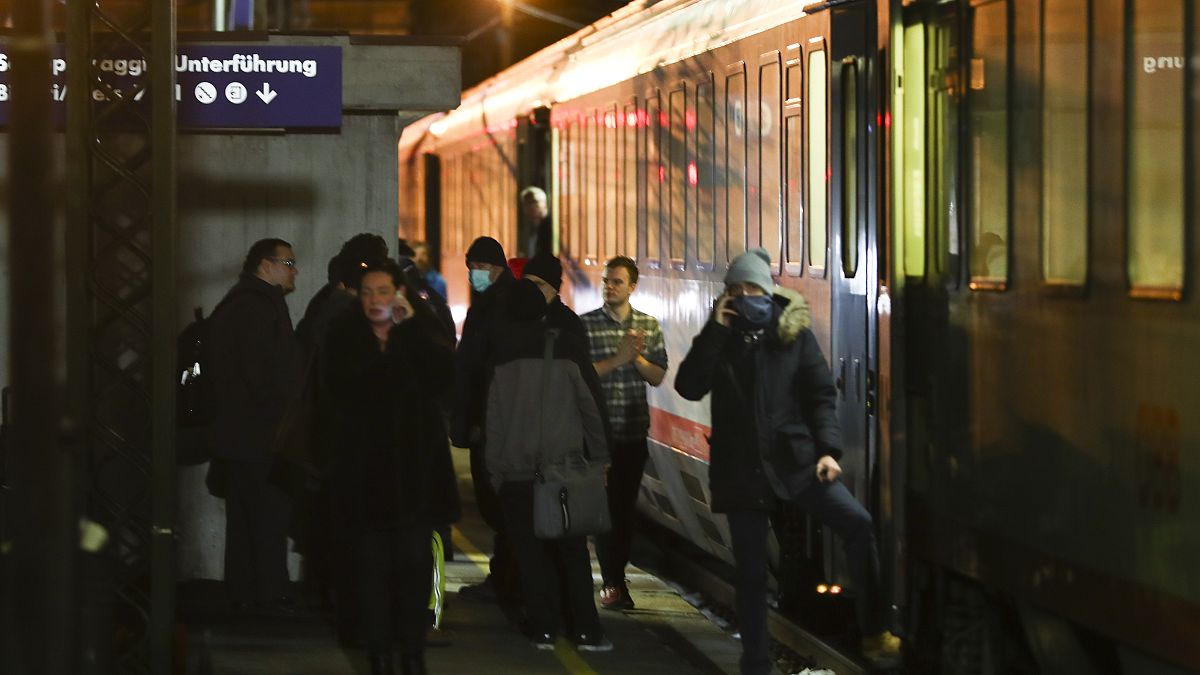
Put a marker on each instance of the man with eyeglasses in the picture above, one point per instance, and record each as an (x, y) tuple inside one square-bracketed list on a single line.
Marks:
[(255, 365)]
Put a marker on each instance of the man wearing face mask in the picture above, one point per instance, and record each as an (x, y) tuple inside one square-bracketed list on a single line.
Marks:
[(775, 439), (491, 281)]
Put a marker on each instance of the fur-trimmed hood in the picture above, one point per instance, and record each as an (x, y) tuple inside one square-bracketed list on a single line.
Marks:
[(796, 315)]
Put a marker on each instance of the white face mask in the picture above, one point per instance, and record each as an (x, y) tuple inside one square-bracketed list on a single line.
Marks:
[(480, 280)]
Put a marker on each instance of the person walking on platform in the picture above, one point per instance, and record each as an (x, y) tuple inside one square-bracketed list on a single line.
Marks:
[(490, 281), (541, 409), (775, 438), (341, 288), (256, 373), (389, 468), (628, 352)]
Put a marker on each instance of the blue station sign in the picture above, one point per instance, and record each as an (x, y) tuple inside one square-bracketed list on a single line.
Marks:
[(218, 86)]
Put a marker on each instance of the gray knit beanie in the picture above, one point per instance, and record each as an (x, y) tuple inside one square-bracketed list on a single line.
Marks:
[(753, 266)]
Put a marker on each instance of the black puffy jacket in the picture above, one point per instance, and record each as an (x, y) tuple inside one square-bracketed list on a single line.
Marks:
[(774, 406)]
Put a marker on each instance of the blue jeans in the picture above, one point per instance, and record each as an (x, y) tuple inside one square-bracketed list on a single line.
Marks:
[(834, 506)]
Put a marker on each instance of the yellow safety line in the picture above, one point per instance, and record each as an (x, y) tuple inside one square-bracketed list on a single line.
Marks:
[(567, 655)]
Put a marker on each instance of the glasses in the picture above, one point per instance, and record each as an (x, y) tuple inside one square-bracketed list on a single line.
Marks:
[(290, 262)]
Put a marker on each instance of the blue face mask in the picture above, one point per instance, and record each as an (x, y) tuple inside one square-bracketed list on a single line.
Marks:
[(480, 280), (754, 312)]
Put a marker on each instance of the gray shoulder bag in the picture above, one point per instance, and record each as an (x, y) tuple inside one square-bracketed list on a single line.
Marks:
[(569, 497)]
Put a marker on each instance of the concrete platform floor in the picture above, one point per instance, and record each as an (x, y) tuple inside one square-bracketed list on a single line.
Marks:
[(664, 634)]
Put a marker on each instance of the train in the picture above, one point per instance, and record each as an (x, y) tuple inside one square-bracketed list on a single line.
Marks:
[(990, 207)]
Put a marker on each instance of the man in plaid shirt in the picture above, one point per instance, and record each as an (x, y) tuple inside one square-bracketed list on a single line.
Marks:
[(628, 353)]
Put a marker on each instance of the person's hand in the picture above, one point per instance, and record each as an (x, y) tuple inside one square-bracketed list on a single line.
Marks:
[(828, 469), (639, 337), (722, 312), (627, 350), (402, 309)]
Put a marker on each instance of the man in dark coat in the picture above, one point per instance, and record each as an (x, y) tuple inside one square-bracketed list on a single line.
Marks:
[(538, 229), (775, 438), (256, 371), (545, 407), (490, 281)]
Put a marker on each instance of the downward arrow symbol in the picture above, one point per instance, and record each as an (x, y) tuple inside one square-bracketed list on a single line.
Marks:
[(266, 94)]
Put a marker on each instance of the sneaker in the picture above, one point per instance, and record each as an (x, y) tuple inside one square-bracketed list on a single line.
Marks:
[(593, 642), (882, 650), (615, 598), (543, 642)]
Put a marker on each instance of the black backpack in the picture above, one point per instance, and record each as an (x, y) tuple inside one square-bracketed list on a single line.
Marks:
[(195, 394)]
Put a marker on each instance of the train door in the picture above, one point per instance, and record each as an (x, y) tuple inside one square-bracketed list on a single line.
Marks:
[(432, 171), (534, 168)]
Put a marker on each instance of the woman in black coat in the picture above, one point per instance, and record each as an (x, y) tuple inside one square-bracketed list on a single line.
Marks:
[(389, 465), (775, 438)]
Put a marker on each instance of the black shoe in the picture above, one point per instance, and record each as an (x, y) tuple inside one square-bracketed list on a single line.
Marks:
[(381, 664), (413, 664), (593, 642), (543, 642)]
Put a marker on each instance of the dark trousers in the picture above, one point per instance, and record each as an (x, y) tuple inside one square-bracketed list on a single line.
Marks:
[(257, 514), (835, 507), (394, 563), (624, 481), (502, 566), (549, 569)]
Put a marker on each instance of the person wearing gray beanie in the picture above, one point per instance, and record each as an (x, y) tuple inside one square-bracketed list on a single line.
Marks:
[(753, 266)]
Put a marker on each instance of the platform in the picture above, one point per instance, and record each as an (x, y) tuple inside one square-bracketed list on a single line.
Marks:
[(664, 634)]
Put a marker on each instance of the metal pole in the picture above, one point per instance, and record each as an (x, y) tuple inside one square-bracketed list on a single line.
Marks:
[(163, 328), (46, 527)]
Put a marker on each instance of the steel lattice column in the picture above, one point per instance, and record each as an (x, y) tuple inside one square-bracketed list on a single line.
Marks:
[(121, 300)]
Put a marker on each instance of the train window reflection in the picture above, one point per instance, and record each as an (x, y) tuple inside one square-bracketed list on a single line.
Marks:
[(591, 184), (654, 178), (735, 162), (1156, 149), (611, 181), (989, 146), (676, 132), (1064, 141), (795, 206), (818, 161), (850, 170), (629, 180), (705, 168), (769, 138)]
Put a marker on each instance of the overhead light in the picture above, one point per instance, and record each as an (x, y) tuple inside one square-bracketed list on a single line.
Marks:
[(438, 128)]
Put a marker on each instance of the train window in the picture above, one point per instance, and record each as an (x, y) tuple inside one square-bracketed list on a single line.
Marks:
[(850, 228), (818, 161), (911, 111), (795, 80), (629, 180), (655, 175), (988, 173), (794, 161), (677, 133), (770, 156), (943, 215), (1064, 141), (1157, 145), (705, 172), (579, 231), (612, 176), (590, 181), (735, 161)]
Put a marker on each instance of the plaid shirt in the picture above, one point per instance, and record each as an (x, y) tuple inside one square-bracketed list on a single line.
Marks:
[(624, 388)]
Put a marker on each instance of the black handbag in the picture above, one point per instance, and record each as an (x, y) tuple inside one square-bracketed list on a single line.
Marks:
[(569, 497)]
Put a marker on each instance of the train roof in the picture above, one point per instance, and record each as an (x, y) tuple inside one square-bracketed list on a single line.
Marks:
[(636, 39)]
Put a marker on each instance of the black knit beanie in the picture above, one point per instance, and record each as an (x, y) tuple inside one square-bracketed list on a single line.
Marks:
[(487, 250), (545, 267)]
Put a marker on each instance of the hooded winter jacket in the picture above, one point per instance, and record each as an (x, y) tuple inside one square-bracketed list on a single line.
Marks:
[(774, 406), (542, 411), (472, 359)]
